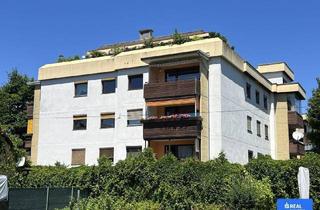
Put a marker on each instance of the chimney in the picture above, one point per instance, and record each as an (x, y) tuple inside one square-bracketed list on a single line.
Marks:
[(145, 34)]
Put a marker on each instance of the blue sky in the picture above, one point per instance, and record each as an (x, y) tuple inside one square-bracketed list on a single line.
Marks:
[(35, 32)]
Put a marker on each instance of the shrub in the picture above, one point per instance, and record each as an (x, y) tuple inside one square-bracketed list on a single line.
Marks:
[(61, 58), (179, 38)]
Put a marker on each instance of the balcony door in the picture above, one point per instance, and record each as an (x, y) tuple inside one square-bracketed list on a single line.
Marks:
[(180, 151), (171, 110)]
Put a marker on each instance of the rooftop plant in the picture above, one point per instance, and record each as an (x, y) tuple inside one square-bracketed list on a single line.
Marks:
[(179, 38), (61, 58), (95, 54)]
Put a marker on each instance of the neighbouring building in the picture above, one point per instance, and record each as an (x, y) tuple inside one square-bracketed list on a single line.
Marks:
[(199, 99)]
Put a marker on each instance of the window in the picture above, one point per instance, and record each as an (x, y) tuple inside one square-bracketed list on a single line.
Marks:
[(180, 151), (106, 152), (133, 151), (135, 82), (250, 155), (108, 86), (190, 73), (80, 122), (266, 131), (248, 91), (258, 128), (107, 120), (265, 102), (134, 117), (80, 89), (257, 97), (171, 110), (249, 119), (260, 154), (78, 157)]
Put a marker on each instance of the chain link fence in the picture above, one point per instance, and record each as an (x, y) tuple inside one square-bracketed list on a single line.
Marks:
[(42, 198)]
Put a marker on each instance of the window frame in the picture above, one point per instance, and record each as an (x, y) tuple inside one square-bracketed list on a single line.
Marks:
[(249, 129), (107, 116), (107, 148), (72, 159), (250, 155), (265, 101), (266, 132), (133, 147), (108, 80), (248, 90), (137, 124), (135, 76), (258, 128), (257, 97), (80, 118), (76, 84)]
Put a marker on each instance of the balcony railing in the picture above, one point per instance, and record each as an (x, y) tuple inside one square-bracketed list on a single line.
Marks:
[(169, 90), (296, 148), (171, 128), (295, 120)]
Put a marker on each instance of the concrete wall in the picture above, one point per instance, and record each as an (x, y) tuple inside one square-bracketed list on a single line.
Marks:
[(277, 77), (229, 107), (58, 105)]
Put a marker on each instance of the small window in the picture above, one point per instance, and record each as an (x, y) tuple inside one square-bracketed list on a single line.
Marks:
[(249, 120), (108, 86), (106, 152), (135, 82), (107, 120), (81, 89), (80, 122), (265, 102), (258, 128), (78, 157), (133, 151), (257, 97), (266, 131), (248, 91), (134, 117), (250, 155)]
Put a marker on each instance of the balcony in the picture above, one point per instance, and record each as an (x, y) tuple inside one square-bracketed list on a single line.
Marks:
[(295, 120), (171, 128), (170, 90), (296, 148)]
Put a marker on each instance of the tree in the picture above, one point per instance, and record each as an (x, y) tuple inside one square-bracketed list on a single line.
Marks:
[(14, 96), (314, 117)]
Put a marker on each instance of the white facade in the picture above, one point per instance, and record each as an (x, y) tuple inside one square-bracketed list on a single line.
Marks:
[(228, 111)]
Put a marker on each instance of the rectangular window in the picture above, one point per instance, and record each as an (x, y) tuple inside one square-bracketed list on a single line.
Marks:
[(258, 128), (249, 120), (135, 82), (265, 102), (171, 110), (78, 157), (134, 117), (133, 151), (248, 91), (108, 86), (266, 131), (107, 120), (250, 155), (257, 97), (80, 122), (190, 73), (80, 89), (106, 152), (180, 151)]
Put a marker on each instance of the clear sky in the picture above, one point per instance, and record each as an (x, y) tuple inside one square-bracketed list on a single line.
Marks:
[(35, 32)]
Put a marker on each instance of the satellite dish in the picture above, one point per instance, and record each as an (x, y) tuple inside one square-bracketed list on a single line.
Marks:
[(21, 162), (297, 135)]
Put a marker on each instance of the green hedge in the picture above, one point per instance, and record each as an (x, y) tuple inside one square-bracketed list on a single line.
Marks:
[(143, 182)]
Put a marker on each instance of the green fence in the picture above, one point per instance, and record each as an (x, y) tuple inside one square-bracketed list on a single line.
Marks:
[(43, 198)]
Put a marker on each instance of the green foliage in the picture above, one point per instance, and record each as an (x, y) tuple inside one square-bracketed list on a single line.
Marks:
[(116, 50), (314, 117), (61, 58), (283, 175), (148, 43), (143, 182), (179, 38), (96, 54), (216, 34)]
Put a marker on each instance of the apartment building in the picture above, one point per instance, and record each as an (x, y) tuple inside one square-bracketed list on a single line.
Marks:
[(193, 99)]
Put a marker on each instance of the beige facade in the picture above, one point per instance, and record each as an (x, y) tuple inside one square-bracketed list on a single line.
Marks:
[(35, 125)]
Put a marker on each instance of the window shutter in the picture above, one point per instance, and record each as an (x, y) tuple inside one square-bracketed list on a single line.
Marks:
[(135, 114), (78, 157), (107, 116)]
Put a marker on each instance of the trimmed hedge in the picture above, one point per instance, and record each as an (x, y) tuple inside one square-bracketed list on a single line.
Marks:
[(143, 182)]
